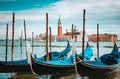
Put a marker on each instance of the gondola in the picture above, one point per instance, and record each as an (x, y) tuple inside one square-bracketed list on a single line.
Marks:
[(96, 67), (23, 65), (52, 67)]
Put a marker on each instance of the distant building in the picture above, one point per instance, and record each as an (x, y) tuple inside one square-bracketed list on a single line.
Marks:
[(103, 37), (64, 38), (77, 35), (40, 37)]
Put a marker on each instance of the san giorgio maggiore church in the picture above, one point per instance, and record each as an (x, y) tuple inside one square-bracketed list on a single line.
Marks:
[(77, 35), (68, 35)]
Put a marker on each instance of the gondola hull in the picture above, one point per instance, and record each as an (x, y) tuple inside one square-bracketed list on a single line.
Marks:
[(44, 68), (85, 69), (7, 68)]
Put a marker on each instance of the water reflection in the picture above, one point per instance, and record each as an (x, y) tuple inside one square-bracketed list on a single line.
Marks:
[(111, 75), (65, 75)]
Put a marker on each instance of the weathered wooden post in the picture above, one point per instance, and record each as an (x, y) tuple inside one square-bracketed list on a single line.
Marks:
[(50, 39), (6, 42), (21, 44), (47, 54), (13, 23), (72, 32), (98, 41), (83, 39), (25, 38)]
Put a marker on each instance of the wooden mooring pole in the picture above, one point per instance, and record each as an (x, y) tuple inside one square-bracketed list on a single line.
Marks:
[(50, 39), (21, 43), (97, 41), (25, 38), (6, 42), (47, 54), (83, 39), (72, 32), (13, 23)]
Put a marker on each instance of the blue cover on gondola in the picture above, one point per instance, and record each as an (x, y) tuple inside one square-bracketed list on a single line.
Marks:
[(88, 53), (67, 61)]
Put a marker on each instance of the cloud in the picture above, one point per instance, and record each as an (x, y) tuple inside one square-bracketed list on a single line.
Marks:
[(70, 8), (105, 12)]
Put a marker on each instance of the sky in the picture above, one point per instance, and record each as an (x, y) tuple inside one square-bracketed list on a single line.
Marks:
[(104, 12)]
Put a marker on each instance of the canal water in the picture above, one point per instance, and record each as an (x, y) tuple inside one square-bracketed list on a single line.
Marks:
[(39, 50)]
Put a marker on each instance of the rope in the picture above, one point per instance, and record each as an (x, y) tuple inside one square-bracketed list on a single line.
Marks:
[(29, 54), (31, 67)]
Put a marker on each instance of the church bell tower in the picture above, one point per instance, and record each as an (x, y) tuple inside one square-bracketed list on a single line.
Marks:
[(59, 27)]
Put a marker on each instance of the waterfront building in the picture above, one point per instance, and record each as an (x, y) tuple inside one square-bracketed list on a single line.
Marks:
[(63, 38), (103, 37), (77, 35)]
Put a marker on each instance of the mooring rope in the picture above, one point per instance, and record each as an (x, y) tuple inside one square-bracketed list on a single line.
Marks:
[(29, 54)]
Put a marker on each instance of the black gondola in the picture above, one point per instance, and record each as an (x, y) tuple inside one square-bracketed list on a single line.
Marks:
[(44, 67), (23, 65), (98, 67), (93, 68)]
